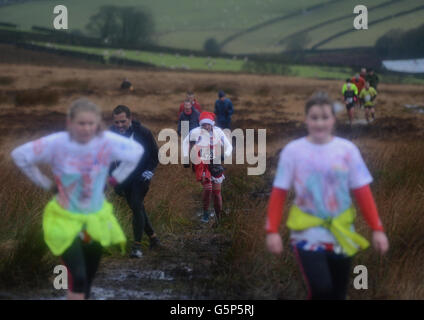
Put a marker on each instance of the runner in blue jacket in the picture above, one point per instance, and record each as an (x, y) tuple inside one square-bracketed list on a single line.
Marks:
[(223, 111)]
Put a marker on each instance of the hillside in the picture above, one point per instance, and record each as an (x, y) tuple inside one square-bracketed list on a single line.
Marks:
[(248, 26)]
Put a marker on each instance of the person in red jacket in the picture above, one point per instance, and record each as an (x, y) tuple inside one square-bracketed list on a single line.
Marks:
[(359, 81), (194, 103), (325, 171)]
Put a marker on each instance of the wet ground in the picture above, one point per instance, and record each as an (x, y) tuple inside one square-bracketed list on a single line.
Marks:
[(181, 269), (188, 265)]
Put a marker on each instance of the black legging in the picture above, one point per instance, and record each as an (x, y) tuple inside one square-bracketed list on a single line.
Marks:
[(326, 273), (82, 260), (134, 194)]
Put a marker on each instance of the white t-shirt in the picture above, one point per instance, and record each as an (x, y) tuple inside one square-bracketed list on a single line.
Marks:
[(322, 177), (203, 141), (80, 170)]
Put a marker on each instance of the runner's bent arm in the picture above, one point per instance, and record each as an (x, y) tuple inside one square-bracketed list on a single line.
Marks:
[(230, 110), (228, 148), (28, 155), (366, 203), (375, 93), (129, 152), (359, 180), (275, 209), (282, 183)]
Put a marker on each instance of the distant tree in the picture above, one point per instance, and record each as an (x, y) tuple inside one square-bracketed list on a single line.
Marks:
[(212, 46), (387, 43), (298, 42), (122, 25)]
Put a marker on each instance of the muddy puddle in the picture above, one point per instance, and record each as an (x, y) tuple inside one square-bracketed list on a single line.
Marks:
[(415, 108), (182, 269)]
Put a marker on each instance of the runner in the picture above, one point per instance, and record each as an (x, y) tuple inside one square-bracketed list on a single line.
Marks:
[(190, 96), (223, 110), (350, 95), (209, 140), (372, 78), (323, 170), (79, 221), (369, 94), (127, 85), (363, 73), (189, 114), (137, 185), (359, 82)]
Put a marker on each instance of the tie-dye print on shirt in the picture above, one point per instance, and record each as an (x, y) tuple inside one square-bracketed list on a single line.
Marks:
[(80, 170), (322, 177)]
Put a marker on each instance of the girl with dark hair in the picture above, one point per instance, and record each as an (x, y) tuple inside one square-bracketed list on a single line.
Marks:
[(324, 170)]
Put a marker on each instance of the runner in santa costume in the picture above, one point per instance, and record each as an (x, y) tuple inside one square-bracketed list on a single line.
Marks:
[(207, 157)]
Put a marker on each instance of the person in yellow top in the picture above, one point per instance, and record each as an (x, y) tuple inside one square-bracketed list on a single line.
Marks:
[(350, 96), (369, 94)]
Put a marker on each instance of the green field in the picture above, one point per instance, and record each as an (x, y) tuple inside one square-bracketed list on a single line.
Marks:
[(368, 37), (185, 25), (173, 61), (164, 60), (266, 38), (180, 62), (188, 23)]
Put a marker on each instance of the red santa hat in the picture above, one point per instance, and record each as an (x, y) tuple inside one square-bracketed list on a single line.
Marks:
[(207, 117)]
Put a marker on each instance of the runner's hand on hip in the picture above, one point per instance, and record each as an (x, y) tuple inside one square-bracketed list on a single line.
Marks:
[(112, 181)]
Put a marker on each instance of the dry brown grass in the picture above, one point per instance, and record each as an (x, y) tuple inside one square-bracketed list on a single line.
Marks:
[(41, 96), (392, 148), (6, 80)]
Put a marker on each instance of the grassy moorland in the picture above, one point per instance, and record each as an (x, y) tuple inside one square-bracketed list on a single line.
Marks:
[(230, 261)]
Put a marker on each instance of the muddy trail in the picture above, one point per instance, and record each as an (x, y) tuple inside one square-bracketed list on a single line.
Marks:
[(182, 268), (196, 261)]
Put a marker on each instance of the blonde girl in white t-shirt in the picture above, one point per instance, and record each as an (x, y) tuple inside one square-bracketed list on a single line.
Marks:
[(79, 221), (324, 171)]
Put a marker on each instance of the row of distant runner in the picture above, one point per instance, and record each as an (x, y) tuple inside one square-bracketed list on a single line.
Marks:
[(361, 91), (190, 109), (358, 91)]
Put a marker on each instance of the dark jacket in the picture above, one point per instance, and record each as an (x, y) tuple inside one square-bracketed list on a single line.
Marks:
[(144, 136), (373, 80), (223, 111), (192, 118), (126, 84)]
